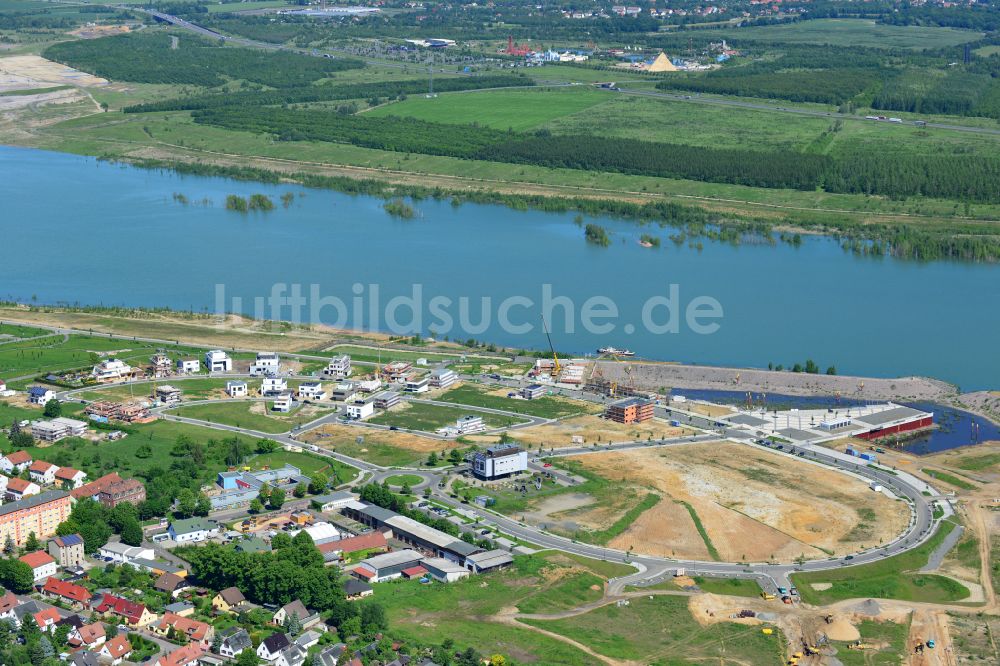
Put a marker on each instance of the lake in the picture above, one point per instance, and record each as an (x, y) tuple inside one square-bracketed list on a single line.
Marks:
[(81, 231)]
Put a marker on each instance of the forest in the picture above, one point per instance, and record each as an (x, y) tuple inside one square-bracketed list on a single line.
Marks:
[(965, 178), (325, 93), (409, 135), (148, 57)]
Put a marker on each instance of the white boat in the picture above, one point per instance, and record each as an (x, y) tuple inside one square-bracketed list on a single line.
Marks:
[(615, 351)]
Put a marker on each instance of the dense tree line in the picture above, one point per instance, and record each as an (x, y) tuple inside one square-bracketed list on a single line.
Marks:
[(409, 135), (147, 57), (381, 495), (965, 177), (325, 93)]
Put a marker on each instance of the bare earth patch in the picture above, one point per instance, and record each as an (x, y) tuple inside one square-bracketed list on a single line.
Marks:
[(593, 429), (332, 433), (754, 504)]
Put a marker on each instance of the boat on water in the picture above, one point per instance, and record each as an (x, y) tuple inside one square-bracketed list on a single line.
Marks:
[(614, 351)]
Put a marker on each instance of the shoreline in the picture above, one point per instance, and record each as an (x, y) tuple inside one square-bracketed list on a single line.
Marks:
[(211, 330)]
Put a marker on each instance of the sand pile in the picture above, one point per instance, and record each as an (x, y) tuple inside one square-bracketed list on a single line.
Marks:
[(842, 630)]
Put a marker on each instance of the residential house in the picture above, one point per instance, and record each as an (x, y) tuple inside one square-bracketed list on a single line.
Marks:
[(252, 544), (166, 394), (360, 410), (273, 386), (188, 366), (282, 402), (170, 583), (344, 392), (385, 399), (122, 553), (88, 636), (121, 491), (227, 600), (237, 389), (46, 618), (133, 614), (330, 655), (415, 385), (266, 364), (67, 550), (8, 602), (194, 631), (75, 595), (16, 462), (357, 589), (43, 615), (48, 431), (39, 395), (218, 361), (271, 646), (193, 530), (339, 367), (311, 391), (110, 370), (298, 609), (43, 473), (533, 391), (85, 658), (182, 608), (69, 478), (234, 641), (293, 655), (90, 490), (160, 365), (41, 563), (19, 489), (307, 639), (184, 656), (116, 650)]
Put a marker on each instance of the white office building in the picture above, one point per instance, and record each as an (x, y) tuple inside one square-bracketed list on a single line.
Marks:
[(499, 461)]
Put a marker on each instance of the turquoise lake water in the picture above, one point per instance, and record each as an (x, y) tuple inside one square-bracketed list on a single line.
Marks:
[(77, 230)]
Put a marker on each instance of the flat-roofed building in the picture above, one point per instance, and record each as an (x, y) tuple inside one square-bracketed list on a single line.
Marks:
[(266, 364), (385, 399), (499, 460), (339, 367), (442, 377), (630, 410), (387, 566), (533, 391), (39, 513), (218, 361)]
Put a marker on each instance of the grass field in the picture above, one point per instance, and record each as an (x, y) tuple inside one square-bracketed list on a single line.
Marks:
[(398, 480), (546, 407), (891, 578), (857, 32), (239, 414), (950, 479), (309, 464), (544, 582), (194, 388), (19, 331), (661, 630), (735, 587), (379, 452), (428, 418), (502, 109), (889, 635)]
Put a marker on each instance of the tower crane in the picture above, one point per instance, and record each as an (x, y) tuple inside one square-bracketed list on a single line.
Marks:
[(555, 357)]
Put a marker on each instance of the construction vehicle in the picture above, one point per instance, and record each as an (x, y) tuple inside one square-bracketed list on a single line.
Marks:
[(767, 631), (797, 655), (828, 619), (930, 643), (810, 649), (858, 645), (555, 357), (767, 596)]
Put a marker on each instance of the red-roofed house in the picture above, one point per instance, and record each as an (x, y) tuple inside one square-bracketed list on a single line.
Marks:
[(117, 649), (97, 485), (193, 630), (70, 478), (69, 592), (46, 619), (134, 614), (42, 564), (18, 489), (17, 462), (185, 656), (43, 473), (8, 602), (88, 636)]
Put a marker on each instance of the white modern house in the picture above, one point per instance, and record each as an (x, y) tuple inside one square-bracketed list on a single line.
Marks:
[(311, 391), (266, 363), (237, 389), (421, 385), (339, 367), (282, 402), (192, 530), (361, 409), (188, 366), (110, 370), (273, 386), (218, 361), (39, 395), (499, 460), (120, 553), (442, 377)]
